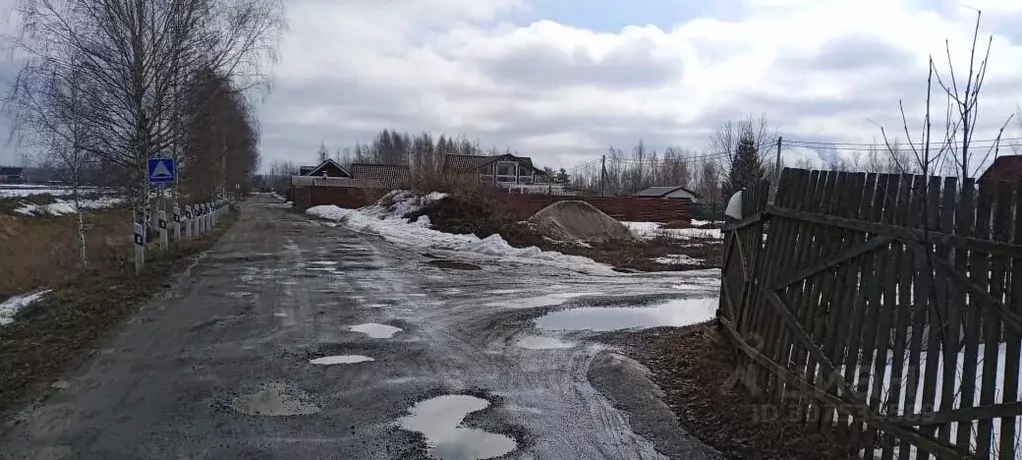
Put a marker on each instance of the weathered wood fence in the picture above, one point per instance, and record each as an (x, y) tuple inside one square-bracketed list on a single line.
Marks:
[(885, 307)]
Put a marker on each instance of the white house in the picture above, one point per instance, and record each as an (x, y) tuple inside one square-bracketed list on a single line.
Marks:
[(669, 192)]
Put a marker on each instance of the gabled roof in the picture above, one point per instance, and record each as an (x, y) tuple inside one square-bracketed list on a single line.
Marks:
[(663, 190), (328, 166), (383, 175), (461, 163), (1007, 167)]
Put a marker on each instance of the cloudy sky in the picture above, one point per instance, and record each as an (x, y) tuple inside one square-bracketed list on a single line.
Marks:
[(563, 80)]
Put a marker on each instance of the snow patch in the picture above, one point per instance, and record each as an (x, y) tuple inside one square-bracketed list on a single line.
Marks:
[(651, 230), (65, 207), (678, 259), (386, 218), (10, 307)]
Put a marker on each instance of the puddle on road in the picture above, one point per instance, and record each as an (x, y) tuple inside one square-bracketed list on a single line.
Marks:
[(440, 421), (548, 300), (538, 342), (323, 262), (376, 331), (506, 291), (678, 312), (341, 359), (275, 400)]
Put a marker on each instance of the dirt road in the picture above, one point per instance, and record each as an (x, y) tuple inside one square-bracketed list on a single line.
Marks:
[(294, 338)]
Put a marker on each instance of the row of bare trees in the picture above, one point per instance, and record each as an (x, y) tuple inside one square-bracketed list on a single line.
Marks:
[(107, 84)]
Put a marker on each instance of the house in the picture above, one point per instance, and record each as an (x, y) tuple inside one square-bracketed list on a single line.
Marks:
[(12, 175), (503, 169), (1005, 168), (669, 192), (328, 168)]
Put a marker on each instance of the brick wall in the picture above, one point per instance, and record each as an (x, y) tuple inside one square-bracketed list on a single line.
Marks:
[(345, 197), (625, 208)]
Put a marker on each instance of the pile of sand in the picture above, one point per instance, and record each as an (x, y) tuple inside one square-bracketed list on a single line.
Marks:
[(579, 221)]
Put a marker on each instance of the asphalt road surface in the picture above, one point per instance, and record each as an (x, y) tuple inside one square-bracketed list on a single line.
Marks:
[(251, 354)]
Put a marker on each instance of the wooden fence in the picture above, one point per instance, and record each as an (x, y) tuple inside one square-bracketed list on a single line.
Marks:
[(850, 293)]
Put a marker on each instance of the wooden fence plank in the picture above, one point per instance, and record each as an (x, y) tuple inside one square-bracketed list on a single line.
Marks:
[(952, 300), (972, 316), (798, 295), (812, 317), (864, 269), (1013, 347), (932, 318), (780, 238), (1001, 193), (901, 315), (915, 290), (887, 304)]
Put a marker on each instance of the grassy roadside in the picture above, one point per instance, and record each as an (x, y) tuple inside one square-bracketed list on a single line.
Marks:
[(53, 334)]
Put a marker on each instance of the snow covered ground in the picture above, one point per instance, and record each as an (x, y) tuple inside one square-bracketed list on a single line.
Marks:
[(24, 190), (10, 307), (650, 230), (65, 206), (387, 221)]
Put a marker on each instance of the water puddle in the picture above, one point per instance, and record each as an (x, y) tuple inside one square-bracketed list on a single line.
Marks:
[(322, 269), (342, 359), (440, 421), (678, 312), (548, 300), (538, 342), (376, 331), (275, 400), (505, 291), (323, 262)]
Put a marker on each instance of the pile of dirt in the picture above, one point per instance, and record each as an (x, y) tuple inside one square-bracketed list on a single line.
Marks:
[(579, 221)]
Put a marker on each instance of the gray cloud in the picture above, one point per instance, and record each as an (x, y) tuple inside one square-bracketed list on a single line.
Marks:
[(855, 53), (540, 65)]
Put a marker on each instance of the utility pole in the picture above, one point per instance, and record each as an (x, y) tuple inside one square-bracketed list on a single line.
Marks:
[(603, 176), (777, 166)]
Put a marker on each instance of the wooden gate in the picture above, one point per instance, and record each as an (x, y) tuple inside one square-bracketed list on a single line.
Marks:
[(853, 290)]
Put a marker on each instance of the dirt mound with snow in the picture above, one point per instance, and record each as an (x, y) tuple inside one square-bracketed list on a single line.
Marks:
[(579, 221)]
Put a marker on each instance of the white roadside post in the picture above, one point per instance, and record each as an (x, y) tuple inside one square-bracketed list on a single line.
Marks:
[(188, 221), (177, 223), (161, 223), (199, 219), (205, 218), (139, 240)]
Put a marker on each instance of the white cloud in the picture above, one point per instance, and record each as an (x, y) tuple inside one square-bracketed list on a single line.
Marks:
[(495, 70)]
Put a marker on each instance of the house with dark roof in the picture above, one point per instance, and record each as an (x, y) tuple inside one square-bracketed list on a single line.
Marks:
[(1005, 168), (12, 174), (328, 168), (506, 169), (380, 176), (669, 192)]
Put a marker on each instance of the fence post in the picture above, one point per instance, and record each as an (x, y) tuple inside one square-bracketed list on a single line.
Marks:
[(177, 223), (139, 240), (161, 224), (188, 221), (200, 219)]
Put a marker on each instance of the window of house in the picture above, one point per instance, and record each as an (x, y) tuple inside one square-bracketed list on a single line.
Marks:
[(507, 168)]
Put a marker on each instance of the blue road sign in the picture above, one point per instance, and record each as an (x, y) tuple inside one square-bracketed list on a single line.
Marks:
[(161, 171)]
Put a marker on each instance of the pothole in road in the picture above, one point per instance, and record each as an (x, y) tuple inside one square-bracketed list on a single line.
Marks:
[(538, 342), (376, 331), (275, 400), (341, 359), (440, 421), (678, 312)]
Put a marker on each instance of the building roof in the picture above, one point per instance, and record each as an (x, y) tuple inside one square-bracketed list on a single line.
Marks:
[(1007, 167), (382, 175), (663, 190), (462, 163), (331, 168)]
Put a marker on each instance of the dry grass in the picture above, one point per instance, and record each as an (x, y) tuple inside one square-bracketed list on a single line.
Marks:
[(42, 251), (50, 335)]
